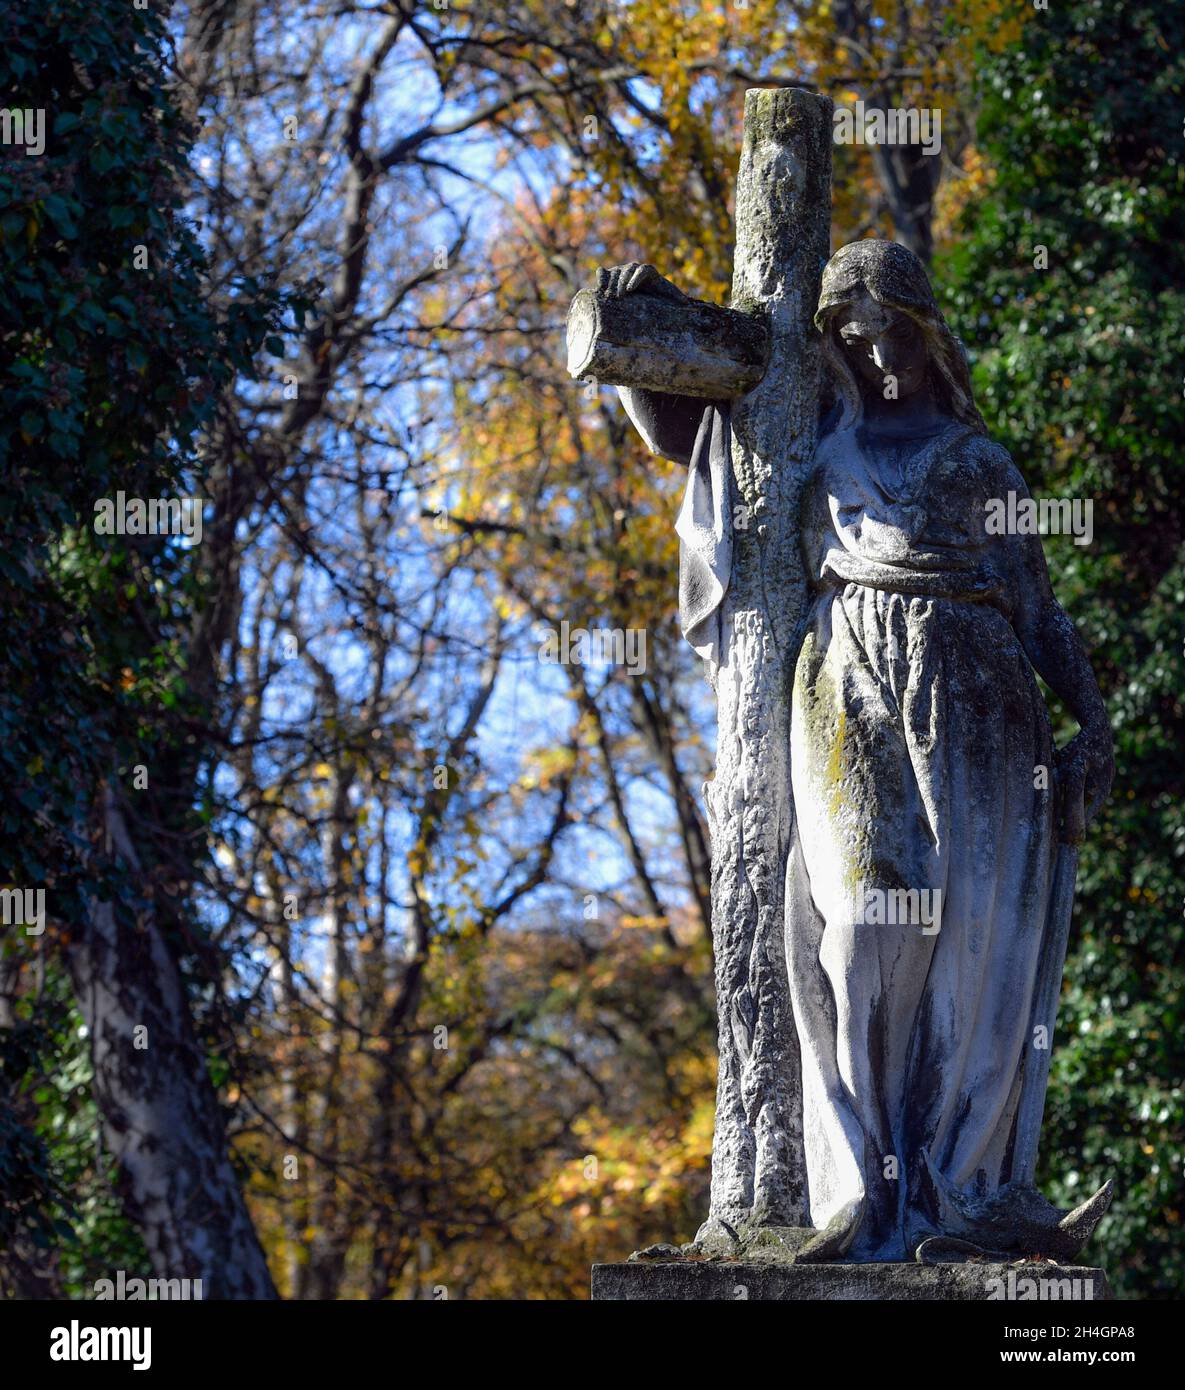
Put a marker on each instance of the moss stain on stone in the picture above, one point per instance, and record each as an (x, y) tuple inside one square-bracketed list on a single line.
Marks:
[(825, 720)]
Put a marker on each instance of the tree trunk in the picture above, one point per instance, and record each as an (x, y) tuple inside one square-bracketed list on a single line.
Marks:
[(327, 1249), (909, 178), (159, 1112)]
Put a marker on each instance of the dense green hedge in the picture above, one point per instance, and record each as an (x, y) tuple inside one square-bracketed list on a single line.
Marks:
[(111, 363), (1079, 371)]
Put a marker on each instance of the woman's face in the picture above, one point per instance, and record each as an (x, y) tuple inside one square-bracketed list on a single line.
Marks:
[(882, 344)]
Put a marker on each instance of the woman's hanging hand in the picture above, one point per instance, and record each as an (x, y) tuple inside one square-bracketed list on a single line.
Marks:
[(1085, 771)]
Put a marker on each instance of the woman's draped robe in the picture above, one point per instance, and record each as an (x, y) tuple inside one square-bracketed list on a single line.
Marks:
[(918, 733)]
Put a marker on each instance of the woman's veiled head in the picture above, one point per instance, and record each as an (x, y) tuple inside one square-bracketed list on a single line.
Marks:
[(879, 318)]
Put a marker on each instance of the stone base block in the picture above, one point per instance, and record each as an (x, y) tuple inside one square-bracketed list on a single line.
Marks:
[(699, 1280)]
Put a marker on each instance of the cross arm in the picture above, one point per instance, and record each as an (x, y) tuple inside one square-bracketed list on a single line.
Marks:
[(671, 346)]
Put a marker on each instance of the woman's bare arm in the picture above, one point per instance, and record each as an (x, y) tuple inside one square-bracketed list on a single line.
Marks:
[(668, 423), (1086, 765)]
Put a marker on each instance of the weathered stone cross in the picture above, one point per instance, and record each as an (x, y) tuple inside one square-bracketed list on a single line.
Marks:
[(763, 355)]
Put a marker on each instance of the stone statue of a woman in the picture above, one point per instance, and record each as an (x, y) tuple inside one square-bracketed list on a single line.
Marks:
[(930, 803)]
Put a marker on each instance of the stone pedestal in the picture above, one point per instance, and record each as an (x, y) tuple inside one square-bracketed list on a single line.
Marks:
[(699, 1280)]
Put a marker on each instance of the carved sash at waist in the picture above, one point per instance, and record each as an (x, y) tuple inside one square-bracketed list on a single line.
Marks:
[(975, 584)]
